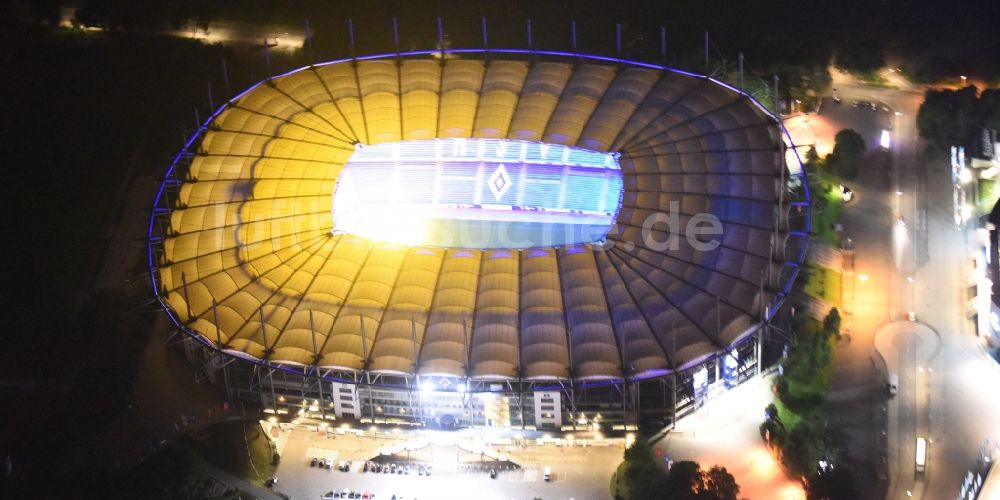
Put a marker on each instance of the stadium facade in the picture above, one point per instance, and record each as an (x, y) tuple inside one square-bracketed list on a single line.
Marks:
[(499, 238)]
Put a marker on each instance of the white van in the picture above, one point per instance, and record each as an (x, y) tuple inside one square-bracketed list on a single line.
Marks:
[(893, 384), (547, 475), (921, 454)]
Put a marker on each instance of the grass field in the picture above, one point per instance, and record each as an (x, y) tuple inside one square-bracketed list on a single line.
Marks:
[(223, 446), (989, 194), (827, 205)]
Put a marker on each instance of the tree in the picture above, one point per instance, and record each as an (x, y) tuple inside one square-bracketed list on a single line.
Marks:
[(809, 442), (863, 56), (831, 323), (119, 15), (773, 433), (644, 478), (988, 109), (834, 484), (812, 157), (720, 484), (950, 117), (803, 449), (684, 482), (848, 152)]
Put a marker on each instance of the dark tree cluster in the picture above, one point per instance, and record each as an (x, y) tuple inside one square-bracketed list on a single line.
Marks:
[(685, 481), (861, 56), (126, 15), (954, 117), (811, 449), (848, 153)]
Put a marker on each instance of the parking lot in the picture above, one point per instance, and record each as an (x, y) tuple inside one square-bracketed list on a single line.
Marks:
[(581, 471)]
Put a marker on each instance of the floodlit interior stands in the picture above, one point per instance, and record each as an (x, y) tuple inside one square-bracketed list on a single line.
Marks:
[(245, 258)]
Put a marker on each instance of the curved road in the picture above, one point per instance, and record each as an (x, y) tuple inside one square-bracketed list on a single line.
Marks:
[(921, 267), (907, 348)]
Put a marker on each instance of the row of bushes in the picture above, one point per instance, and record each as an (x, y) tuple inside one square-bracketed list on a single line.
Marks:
[(796, 428), (640, 478)]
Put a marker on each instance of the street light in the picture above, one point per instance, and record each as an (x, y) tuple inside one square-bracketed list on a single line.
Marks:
[(964, 79)]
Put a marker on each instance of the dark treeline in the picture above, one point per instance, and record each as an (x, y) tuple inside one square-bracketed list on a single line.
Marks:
[(955, 117), (935, 38)]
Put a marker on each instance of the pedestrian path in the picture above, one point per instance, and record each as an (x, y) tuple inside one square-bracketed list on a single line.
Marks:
[(822, 254), (813, 307), (278, 434), (222, 476), (716, 435)]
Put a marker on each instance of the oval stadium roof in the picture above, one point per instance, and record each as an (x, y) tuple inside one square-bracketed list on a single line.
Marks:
[(248, 260)]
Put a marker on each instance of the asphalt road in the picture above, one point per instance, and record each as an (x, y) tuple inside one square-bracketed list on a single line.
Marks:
[(856, 404), (944, 374)]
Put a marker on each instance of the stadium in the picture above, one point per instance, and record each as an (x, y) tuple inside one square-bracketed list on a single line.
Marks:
[(500, 238)]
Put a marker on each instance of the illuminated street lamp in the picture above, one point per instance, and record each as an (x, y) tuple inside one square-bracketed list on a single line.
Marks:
[(965, 175), (964, 79)]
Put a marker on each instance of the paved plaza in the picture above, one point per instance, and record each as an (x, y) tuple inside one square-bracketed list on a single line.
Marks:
[(581, 468), (726, 432)]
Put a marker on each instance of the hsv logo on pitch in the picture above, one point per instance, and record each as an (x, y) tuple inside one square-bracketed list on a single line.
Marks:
[(499, 182)]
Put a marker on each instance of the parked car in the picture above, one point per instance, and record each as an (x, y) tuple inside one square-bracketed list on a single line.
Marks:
[(892, 384), (312, 463)]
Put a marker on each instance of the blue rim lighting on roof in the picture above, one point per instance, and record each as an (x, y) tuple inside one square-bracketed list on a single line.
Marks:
[(159, 208)]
